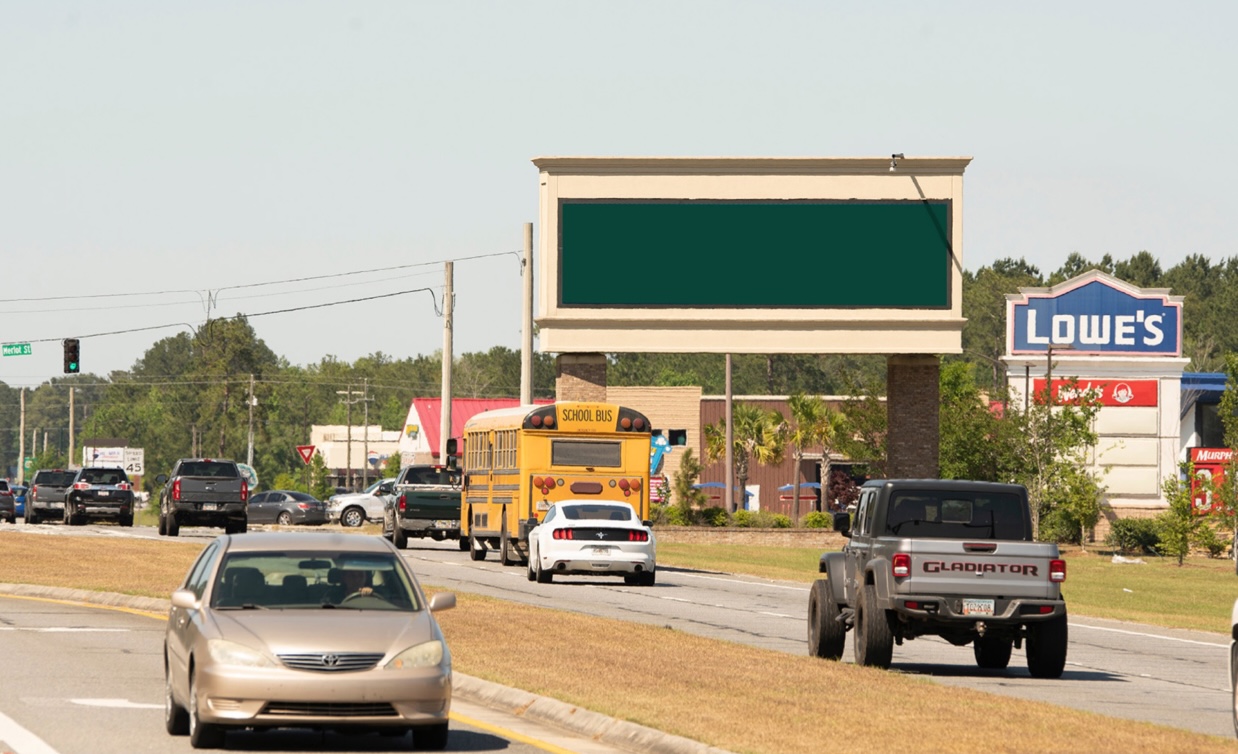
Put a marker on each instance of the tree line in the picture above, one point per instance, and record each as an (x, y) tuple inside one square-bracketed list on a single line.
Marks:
[(192, 392)]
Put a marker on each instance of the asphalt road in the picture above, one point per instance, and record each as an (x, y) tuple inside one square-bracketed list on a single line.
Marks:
[(1134, 671), (87, 679)]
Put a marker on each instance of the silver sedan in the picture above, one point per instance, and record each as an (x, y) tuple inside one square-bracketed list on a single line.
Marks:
[(304, 630)]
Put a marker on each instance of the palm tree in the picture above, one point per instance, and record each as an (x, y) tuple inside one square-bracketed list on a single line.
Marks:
[(759, 435), (816, 424)]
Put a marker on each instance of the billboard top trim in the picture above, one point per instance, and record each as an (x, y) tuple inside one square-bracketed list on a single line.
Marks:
[(753, 165)]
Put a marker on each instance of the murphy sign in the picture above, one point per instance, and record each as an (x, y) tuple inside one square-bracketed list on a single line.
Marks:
[(1094, 313)]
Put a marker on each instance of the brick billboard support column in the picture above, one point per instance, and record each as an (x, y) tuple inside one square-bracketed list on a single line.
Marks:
[(581, 377), (913, 405)]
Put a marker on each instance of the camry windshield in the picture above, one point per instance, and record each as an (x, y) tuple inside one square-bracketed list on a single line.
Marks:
[(291, 580)]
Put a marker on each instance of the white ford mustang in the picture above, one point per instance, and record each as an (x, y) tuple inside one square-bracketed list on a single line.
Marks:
[(589, 537)]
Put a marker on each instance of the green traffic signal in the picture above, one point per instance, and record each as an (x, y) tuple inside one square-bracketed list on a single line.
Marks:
[(72, 359)]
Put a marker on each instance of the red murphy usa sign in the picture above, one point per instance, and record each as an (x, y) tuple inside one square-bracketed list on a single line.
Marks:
[(1106, 392), (1209, 464)]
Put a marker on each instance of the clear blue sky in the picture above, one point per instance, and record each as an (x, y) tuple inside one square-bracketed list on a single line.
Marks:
[(154, 147)]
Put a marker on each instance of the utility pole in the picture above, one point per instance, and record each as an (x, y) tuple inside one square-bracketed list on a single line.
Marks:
[(348, 400), (730, 443), (365, 463), (21, 441), (449, 304), (71, 427), (526, 314), (249, 457)]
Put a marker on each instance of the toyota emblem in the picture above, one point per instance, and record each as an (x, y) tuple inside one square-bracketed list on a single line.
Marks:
[(330, 661)]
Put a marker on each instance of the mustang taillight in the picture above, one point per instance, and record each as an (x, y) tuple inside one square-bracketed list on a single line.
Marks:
[(176, 489), (244, 491), (564, 534), (901, 565), (638, 536), (1057, 570)]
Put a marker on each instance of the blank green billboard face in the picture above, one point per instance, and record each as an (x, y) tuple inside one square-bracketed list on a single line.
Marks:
[(755, 254)]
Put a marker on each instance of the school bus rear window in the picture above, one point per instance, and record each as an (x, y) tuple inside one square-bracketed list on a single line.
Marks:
[(577, 453)]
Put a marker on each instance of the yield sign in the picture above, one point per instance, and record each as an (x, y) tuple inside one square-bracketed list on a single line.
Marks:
[(306, 452)]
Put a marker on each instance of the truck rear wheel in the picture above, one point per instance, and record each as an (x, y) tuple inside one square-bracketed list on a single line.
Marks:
[(826, 634), (398, 536), (171, 526), (874, 642), (1046, 647), (992, 652)]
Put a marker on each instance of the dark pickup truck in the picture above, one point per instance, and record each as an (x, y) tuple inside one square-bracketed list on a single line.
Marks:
[(425, 502), (99, 492), (45, 499), (203, 492)]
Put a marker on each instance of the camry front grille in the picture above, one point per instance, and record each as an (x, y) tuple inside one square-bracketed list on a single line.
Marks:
[(331, 662), (330, 709)]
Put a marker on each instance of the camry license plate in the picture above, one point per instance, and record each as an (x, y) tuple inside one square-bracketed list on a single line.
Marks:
[(209, 506), (977, 607)]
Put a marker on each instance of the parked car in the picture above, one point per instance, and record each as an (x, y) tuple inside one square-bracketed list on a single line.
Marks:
[(8, 506), (355, 508), (286, 508), (249, 644), (19, 498), (99, 492), (593, 538), (45, 500)]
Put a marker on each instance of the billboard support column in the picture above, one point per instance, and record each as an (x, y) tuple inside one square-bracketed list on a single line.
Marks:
[(581, 377), (913, 406)]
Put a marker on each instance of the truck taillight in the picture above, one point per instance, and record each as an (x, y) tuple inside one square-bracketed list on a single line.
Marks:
[(1057, 571), (176, 489), (403, 503), (901, 565), (244, 491)]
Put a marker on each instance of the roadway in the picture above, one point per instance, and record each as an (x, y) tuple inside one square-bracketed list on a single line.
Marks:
[(1134, 671)]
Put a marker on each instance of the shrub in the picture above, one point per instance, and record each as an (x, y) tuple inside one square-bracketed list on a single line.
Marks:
[(818, 520), (1058, 525), (775, 520), (714, 516), (1207, 539), (1134, 535), (744, 519)]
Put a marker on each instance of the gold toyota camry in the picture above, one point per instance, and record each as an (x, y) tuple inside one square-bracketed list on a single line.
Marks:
[(305, 630)]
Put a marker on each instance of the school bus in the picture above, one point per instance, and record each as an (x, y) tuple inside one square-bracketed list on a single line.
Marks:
[(519, 461)]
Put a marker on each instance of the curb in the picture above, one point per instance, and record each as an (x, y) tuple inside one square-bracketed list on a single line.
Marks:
[(517, 702)]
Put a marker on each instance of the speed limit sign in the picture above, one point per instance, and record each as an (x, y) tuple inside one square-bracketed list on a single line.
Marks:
[(135, 461)]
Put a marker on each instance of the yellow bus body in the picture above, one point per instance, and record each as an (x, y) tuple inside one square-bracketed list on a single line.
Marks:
[(518, 461)]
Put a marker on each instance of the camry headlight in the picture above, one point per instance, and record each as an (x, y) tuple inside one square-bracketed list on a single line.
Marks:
[(230, 653), (421, 656)]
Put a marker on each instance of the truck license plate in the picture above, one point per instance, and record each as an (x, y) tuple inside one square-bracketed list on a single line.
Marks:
[(209, 506), (977, 607), (446, 524)]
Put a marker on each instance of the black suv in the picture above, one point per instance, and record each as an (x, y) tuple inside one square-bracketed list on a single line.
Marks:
[(8, 506), (99, 492)]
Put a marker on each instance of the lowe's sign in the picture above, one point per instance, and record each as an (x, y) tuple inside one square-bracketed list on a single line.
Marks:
[(1094, 313)]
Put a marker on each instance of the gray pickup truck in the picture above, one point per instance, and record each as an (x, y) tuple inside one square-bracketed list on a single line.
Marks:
[(425, 502), (203, 492), (46, 496), (953, 559)]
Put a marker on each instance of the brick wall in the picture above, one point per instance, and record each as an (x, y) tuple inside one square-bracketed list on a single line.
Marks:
[(581, 377), (667, 408), (913, 405)]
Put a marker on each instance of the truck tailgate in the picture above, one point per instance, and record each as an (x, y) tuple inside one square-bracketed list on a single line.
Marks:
[(209, 489), (1008, 569), (429, 503)]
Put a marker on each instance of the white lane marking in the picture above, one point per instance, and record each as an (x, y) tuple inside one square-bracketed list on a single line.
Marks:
[(66, 630), (20, 740), (740, 581), (115, 704), (1149, 636)]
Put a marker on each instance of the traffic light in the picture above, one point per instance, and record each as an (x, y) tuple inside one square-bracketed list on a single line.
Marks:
[(72, 362)]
